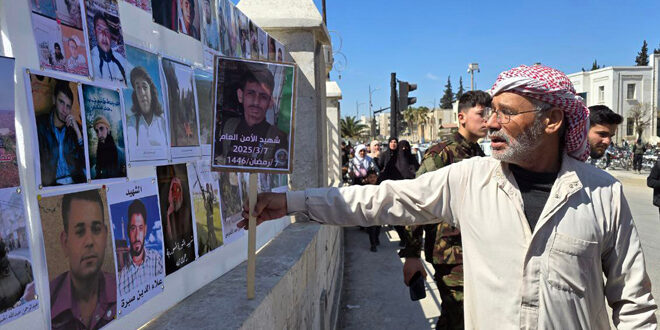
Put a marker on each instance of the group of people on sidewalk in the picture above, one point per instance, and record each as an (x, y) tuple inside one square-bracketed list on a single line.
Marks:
[(532, 237)]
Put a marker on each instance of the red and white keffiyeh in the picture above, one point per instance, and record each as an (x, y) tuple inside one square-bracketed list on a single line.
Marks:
[(553, 87)]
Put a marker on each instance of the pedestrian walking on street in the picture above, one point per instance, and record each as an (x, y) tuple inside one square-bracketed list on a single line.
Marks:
[(442, 245), (653, 181), (638, 155), (548, 240), (373, 231), (361, 164), (398, 164)]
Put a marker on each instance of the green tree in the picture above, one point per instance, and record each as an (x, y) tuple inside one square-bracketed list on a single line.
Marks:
[(409, 118), (421, 118), (642, 58), (448, 98), (595, 66), (460, 88), (656, 50), (352, 128)]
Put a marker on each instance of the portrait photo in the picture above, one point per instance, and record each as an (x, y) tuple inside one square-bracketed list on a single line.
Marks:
[(56, 107), (15, 258), (234, 31), (272, 49), (166, 13), (146, 118), (189, 18), (138, 240), (8, 157), (209, 24), (176, 215), (206, 205), (44, 7), (254, 41), (80, 259), (69, 12), (105, 132), (48, 36), (263, 44), (106, 41), (244, 34), (223, 13), (75, 53), (184, 131), (204, 88), (232, 195), (142, 4), (253, 115), (279, 52)]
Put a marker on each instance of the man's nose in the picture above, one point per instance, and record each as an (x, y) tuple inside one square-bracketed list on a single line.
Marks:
[(492, 123), (607, 140)]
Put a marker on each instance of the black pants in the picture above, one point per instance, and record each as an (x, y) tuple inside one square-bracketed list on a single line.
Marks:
[(637, 162), (451, 317), (374, 232), (403, 234)]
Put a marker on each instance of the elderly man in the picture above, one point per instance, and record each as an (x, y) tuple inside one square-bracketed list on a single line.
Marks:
[(547, 239)]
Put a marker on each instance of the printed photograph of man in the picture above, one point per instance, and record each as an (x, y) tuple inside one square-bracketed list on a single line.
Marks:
[(69, 13), (166, 13), (246, 137), (231, 201), (47, 33), (176, 215), (44, 7), (61, 143), (223, 29), (15, 258), (188, 18), (83, 290), (107, 48), (210, 24), (76, 58), (144, 264), (244, 35), (204, 89), (109, 157), (263, 44), (271, 48), (206, 205), (254, 41), (58, 56), (142, 4), (181, 101)]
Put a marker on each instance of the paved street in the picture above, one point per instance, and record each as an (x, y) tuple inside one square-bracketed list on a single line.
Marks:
[(374, 296)]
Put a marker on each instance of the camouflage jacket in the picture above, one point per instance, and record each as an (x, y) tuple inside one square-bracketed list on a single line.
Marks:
[(447, 246)]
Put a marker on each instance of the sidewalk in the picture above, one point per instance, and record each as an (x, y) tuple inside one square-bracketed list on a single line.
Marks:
[(374, 295)]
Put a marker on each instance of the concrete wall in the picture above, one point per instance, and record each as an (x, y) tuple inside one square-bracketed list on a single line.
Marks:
[(298, 280)]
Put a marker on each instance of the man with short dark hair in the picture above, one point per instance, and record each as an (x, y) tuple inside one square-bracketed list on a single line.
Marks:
[(603, 123), (62, 158), (144, 264), (548, 240), (84, 297), (255, 95), (108, 64), (442, 246)]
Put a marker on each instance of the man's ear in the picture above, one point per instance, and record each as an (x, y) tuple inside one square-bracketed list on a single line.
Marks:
[(239, 94), (461, 118), (63, 239), (554, 120)]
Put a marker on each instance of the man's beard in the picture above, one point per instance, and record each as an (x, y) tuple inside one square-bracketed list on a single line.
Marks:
[(135, 253), (106, 153), (595, 154), (519, 150)]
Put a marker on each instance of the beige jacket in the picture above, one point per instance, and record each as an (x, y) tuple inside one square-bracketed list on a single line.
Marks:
[(551, 278)]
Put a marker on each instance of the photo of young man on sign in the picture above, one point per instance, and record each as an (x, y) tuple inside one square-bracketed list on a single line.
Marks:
[(253, 115)]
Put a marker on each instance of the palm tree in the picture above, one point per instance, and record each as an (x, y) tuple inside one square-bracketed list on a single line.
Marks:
[(422, 117), (409, 117), (352, 128)]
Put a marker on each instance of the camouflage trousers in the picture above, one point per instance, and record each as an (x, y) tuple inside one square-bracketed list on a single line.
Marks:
[(449, 279)]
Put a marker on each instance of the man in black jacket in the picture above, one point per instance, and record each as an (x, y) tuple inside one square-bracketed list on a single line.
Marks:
[(653, 181)]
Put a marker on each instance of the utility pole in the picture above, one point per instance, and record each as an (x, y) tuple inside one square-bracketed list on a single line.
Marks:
[(372, 121), (471, 68), (394, 109)]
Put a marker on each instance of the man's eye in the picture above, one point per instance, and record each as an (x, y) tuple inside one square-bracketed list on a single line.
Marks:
[(96, 229), (80, 232)]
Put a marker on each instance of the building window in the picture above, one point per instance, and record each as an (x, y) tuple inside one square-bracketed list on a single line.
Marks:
[(601, 93), (631, 92), (630, 125), (583, 96)]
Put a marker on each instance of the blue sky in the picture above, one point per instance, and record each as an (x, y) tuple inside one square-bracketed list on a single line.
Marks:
[(433, 39)]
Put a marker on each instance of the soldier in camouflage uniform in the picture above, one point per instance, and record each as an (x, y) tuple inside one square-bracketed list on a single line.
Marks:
[(442, 246)]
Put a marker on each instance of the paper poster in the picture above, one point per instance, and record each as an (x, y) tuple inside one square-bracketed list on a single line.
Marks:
[(166, 13), (206, 205), (57, 27), (142, 4), (189, 18), (58, 124), (138, 241), (146, 117), (8, 159), (184, 128), (224, 19), (78, 245), (279, 52), (244, 34), (233, 193), (263, 44), (105, 132), (17, 293), (204, 88), (106, 42), (176, 215), (234, 31), (272, 49), (254, 41), (253, 115)]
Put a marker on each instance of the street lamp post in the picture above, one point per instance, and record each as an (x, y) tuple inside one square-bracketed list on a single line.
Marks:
[(471, 68), (371, 113)]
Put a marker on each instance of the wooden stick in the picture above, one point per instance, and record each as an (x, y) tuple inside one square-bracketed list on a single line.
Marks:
[(252, 236)]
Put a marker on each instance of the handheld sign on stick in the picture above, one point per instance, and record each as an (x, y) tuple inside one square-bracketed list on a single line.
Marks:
[(254, 105)]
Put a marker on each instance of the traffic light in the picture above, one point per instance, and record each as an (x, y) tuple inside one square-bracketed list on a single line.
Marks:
[(405, 101)]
